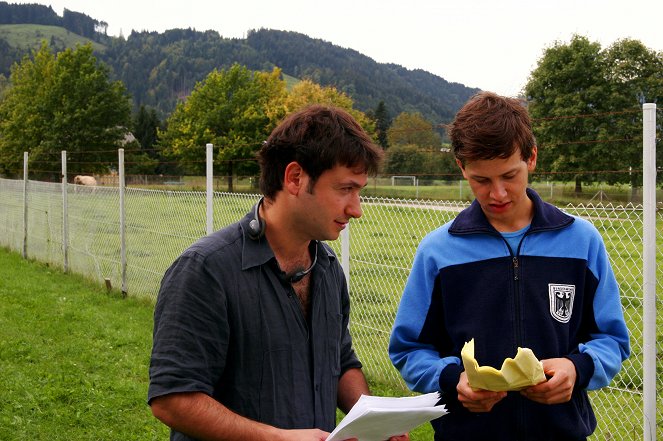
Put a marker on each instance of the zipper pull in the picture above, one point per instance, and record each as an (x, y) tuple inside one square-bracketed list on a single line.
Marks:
[(515, 268)]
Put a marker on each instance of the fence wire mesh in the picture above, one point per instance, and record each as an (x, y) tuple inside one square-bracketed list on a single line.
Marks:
[(160, 224)]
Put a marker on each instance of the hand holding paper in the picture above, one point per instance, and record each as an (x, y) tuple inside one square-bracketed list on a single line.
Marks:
[(379, 418)]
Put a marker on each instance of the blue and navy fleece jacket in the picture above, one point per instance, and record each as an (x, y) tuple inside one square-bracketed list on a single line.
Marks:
[(555, 294)]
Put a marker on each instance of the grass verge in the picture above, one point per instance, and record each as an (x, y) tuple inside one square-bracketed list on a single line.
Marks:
[(74, 358)]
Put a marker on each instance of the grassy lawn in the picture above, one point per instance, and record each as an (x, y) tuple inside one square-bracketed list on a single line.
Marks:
[(73, 358)]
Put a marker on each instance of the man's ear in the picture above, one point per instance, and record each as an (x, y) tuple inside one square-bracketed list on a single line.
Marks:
[(294, 177)]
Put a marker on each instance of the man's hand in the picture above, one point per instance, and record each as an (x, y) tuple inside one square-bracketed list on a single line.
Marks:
[(561, 373), (405, 437), (304, 435), (478, 400)]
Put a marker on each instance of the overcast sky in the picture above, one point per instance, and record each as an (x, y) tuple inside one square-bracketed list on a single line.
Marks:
[(489, 44)]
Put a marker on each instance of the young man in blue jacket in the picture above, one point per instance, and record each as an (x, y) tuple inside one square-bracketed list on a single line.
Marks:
[(510, 271)]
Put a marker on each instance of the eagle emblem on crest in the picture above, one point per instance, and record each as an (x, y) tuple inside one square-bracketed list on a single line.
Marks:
[(561, 301)]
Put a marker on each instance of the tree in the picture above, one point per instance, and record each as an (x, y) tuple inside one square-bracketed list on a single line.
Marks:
[(145, 126), (635, 75), (415, 148), (307, 92), (568, 82), (382, 124), (404, 159), (585, 110), (63, 102), (413, 128), (233, 109)]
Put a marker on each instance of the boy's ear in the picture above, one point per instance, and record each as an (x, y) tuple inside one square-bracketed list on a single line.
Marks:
[(462, 168), (531, 162)]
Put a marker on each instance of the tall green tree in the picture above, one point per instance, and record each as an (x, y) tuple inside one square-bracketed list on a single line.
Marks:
[(62, 102), (427, 164), (585, 109), (413, 129), (307, 92), (382, 124), (233, 109), (145, 126), (635, 75), (569, 81)]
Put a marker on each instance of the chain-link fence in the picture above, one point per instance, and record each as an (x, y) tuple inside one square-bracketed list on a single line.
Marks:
[(160, 224)]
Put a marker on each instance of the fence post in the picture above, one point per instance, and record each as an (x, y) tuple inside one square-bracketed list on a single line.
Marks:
[(65, 214), (25, 205), (210, 188), (345, 253), (649, 268), (123, 247)]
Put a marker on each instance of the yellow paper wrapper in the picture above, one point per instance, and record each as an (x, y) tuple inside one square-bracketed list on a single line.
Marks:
[(517, 373)]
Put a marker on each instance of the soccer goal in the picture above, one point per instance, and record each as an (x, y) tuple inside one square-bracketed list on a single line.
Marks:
[(407, 179)]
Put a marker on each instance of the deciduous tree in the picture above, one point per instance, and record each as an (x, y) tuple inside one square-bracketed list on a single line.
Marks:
[(585, 106), (307, 92), (413, 129), (63, 102), (233, 109)]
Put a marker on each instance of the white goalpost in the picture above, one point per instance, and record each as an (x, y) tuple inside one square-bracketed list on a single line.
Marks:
[(407, 178)]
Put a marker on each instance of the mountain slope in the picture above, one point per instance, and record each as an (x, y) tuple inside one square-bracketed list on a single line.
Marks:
[(159, 69)]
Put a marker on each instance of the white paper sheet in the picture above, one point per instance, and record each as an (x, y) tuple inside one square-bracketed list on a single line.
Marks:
[(378, 418)]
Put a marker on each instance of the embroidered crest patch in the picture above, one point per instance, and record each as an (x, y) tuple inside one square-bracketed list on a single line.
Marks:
[(561, 301)]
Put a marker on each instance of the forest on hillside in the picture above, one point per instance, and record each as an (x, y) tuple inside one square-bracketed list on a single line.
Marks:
[(160, 69)]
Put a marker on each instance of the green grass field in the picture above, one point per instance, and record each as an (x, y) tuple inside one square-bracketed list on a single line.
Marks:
[(73, 358)]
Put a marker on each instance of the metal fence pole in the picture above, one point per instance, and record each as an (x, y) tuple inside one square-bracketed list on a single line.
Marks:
[(123, 247), (649, 269), (25, 205), (210, 189), (65, 214)]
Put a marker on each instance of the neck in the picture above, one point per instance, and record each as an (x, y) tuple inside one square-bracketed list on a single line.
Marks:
[(281, 234)]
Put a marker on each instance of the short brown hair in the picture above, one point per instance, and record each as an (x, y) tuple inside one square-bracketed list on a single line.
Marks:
[(491, 126), (318, 138)]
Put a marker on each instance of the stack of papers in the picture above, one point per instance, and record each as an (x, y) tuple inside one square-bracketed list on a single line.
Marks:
[(379, 418)]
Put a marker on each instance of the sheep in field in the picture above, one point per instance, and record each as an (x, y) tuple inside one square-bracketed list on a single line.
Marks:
[(88, 181), (85, 180)]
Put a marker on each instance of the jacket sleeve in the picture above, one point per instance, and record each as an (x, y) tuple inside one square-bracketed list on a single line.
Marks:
[(416, 357), (609, 345)]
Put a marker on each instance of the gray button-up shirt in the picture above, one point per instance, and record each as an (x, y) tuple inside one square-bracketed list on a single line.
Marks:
[(227, 323)]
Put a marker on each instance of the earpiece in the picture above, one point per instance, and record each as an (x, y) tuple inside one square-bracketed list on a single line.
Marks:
[(299, 275), (256, 226)]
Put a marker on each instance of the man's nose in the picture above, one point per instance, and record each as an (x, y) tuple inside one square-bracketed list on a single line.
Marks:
[(354, 207)]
